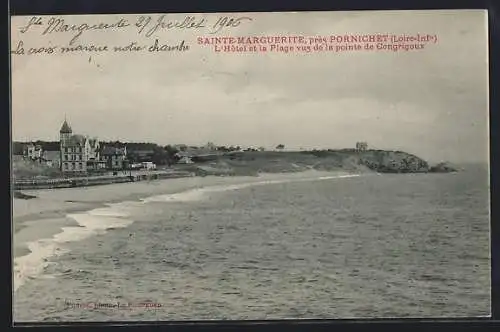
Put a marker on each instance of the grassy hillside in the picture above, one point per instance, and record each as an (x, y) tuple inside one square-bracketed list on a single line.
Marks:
[(253, 162)]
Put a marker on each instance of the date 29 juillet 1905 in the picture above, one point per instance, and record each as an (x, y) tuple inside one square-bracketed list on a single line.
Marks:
[(146, 25)]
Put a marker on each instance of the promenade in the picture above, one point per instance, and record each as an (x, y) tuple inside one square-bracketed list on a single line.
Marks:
[(95, 180)]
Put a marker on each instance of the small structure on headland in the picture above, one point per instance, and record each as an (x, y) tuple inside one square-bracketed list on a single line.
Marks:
[(361, 146)]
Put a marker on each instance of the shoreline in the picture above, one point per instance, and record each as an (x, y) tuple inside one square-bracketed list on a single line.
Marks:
[(42, 225), (51, 203), (47, 213)]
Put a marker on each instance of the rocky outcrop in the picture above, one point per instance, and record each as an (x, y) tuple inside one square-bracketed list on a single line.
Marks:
[(20, 195), (383, 161), (443, 167)]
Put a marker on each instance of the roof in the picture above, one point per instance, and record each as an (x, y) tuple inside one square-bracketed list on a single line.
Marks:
[(65, 129), (110, 151), (142, 152), (93, 142), (76, 140), (181, 154)]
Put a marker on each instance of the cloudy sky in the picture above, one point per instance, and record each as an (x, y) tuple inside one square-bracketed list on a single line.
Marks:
[(432, 102)]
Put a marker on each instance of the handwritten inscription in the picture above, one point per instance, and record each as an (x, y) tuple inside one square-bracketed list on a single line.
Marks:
[(144, 25), (148, 26), (59, 25), (156, 46)]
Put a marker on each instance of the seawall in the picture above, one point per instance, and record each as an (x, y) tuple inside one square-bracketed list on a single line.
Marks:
[(94, 180)]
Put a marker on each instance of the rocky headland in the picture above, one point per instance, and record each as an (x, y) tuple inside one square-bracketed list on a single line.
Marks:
[(255, 162)]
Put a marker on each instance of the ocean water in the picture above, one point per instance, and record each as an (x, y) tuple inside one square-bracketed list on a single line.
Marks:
[(412, 245)]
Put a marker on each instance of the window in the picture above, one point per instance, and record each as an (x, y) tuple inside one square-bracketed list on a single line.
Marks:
[(66, 157), (74, 165), (81, 165)]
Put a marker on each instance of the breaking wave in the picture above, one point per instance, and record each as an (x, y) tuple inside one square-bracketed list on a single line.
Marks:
[(197, 194)]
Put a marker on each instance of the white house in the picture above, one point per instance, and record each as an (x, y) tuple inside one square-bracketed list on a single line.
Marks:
[(148, 165), (33, 152)]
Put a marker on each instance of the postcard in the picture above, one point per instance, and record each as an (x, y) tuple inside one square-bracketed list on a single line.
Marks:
[(250, 166)]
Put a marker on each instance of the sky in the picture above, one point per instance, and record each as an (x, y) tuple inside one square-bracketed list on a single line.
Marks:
[(431, 102)]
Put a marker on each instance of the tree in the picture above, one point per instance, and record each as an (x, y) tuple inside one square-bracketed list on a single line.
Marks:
[(172, 156), (18, 148), (171, 150), (48, 145), (160, 156), (280, 147)]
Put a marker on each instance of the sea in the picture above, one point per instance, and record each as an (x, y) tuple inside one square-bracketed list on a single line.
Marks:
[(331, 247)]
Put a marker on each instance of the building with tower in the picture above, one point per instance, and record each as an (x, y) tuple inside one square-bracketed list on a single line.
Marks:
[(79, 154)]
